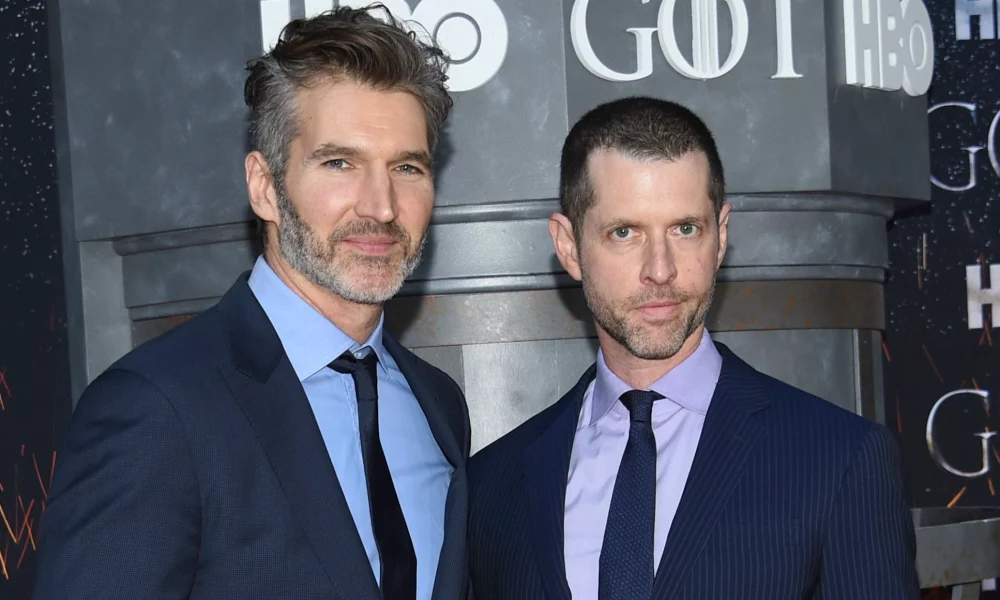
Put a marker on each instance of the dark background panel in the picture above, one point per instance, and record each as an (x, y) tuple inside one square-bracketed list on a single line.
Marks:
[(34, 369), (930, 350)]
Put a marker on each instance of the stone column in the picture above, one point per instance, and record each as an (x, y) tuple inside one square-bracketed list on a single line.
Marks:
[(816, 164)]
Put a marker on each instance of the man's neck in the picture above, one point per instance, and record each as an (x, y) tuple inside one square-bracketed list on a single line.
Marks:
[(641, 373), (355, 319)]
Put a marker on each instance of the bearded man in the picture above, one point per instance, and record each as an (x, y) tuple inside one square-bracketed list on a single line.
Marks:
[(281, 444), (673, 470)]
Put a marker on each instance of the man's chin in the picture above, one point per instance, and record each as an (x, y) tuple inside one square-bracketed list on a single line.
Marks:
[(654, 353), (358, 264), (654, 344), (366, 293)]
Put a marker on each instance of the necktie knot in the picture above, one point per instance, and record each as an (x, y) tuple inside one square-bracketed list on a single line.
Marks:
[(640, 404), (362, 370), (348, 364)]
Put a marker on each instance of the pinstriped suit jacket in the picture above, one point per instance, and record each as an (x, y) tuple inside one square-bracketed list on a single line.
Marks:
[(788, 497)]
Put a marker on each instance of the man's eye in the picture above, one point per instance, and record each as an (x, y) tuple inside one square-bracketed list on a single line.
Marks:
[(622, 233), (409, 170), (337, 163), (688, 229)]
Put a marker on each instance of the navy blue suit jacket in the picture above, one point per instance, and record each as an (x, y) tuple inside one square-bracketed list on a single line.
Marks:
[(194, 468), (788, 497)]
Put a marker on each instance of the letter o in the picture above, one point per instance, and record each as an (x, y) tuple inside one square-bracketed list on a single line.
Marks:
[(474, 30), (918, 70)]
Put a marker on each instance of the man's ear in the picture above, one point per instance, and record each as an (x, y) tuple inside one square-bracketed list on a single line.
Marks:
[(260, 185), (723, 233), (564, 240)]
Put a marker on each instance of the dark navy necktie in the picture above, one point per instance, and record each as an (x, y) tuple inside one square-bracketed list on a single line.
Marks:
[(626, 564), (395, 549)]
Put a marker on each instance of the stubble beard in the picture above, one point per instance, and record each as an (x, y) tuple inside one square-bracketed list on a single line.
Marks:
[(644, 339)]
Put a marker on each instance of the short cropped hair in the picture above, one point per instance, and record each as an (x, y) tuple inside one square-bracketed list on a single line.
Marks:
[(641, 128)]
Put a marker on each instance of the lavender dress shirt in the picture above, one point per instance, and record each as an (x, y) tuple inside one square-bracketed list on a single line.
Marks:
[(601, 434)]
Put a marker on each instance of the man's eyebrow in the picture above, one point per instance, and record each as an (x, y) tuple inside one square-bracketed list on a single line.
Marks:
[(619, 222), (616, 223), (694, 218), (327, 151), (420, 157)]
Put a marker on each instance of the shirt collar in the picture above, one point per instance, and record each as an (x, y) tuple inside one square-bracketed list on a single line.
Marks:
[(690, 384), (310, 340)]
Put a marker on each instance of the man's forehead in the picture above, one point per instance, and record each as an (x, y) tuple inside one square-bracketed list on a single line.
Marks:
[(621, 181), (360, 117)]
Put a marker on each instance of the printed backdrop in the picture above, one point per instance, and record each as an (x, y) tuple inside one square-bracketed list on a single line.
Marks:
[(936, 343), (34, 369), (935, 354), (942, 363)]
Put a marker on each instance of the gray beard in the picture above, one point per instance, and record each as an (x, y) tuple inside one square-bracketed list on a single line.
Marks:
[(317, 259)]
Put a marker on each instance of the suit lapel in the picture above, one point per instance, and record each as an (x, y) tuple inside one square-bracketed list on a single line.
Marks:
[(448, 430), (732, 429), (271, 396), (546, 471)]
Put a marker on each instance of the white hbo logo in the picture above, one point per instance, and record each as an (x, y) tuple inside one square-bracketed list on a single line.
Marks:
[(889, 45), (472, 32)]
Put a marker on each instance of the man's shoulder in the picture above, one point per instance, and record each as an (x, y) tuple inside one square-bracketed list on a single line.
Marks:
[(190, 349), (505, 453), (795, 406), (165, 376), (796, 414)]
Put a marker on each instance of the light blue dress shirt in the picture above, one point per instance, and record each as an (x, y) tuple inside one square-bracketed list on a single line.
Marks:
[(420, 472)]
